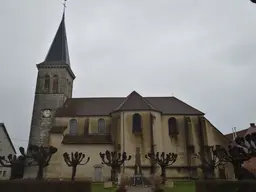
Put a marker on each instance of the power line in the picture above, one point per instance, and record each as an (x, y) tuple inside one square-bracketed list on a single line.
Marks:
[(15, 139)]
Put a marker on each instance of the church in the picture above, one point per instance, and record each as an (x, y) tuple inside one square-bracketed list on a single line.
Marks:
[(134, 124)]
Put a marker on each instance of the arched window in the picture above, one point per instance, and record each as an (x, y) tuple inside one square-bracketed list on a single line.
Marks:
[(73, 127), (55, 84), (46, 82), (136, 123), (101, 126), (172, 126)]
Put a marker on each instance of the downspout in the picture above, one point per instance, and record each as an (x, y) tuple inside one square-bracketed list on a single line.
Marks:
[(201, 136), (201, 140), (187, 120), (123, 138), (152, 142)]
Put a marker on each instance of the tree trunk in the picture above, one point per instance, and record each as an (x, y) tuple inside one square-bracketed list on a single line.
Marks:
[(163, 169), (113, 175), (73, 173), (40, 172)]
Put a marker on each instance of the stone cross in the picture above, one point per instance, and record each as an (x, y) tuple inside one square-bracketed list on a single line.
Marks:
[(138, 162)]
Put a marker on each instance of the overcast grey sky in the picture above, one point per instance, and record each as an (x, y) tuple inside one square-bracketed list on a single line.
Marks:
[(203, 52)]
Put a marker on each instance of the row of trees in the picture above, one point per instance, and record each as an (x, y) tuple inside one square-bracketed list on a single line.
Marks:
[(41, 156), (241, 150)]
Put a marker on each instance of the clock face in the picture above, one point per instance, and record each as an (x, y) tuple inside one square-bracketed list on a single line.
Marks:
[(47, 113)]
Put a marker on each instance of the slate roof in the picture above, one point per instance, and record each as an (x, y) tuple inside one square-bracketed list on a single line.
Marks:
[(134, 102), (104, 106), (59, 47), (58, 129), (7, 135), (87, 139)]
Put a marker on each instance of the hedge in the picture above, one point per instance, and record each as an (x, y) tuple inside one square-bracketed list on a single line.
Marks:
[(225, 186), (45, 186)]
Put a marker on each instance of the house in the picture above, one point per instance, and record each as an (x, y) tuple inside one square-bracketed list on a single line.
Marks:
[(6, 148), (250, 164)]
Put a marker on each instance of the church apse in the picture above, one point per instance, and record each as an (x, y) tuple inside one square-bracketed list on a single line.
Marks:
[(137, 133)]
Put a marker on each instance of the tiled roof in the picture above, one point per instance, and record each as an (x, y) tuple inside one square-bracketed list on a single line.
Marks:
[(57, 129), (103, 106), (239, 134), (87, 139), (243, 132), (135, 101)]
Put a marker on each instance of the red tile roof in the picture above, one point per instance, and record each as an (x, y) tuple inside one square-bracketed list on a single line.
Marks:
[(243, 132)]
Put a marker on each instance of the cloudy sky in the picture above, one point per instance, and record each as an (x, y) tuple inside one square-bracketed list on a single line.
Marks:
[(202, 52)]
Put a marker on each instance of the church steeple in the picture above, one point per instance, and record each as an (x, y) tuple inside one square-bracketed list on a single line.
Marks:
[(58, 51)]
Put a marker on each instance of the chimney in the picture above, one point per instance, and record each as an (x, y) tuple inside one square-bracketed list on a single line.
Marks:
[(252, 124)]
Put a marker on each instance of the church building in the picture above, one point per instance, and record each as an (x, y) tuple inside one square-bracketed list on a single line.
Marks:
[(134, 124)]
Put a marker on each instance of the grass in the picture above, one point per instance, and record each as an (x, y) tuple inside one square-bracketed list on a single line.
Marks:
[(179, 186), (99, 187)]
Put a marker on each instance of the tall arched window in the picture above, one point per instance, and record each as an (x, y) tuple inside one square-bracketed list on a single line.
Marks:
[(172, 126), (136, 123), (46, 82), (73, 127), (101, 126), (55, 84)]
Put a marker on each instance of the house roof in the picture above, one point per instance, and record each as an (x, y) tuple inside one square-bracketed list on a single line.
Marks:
[(243, 132), (104, 106), (7, 135)]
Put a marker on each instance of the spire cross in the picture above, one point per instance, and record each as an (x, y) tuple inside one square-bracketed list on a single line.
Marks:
[(64, 5)]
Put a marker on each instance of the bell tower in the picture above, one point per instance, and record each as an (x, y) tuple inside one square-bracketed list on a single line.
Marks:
[(54, 85)]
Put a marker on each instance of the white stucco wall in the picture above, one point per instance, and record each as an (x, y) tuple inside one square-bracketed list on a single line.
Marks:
[(5, 150)]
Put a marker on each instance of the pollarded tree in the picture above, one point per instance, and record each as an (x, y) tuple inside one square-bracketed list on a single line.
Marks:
[(236, 155), (208, 163), (74, 160), (41, 156), (163, 160), (16, 163), (114, 160)]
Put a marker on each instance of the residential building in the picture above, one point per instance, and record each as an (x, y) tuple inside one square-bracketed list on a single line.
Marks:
[(6, 148), (250, 164)]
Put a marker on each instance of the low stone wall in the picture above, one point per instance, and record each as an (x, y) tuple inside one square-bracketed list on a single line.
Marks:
[(45, 186)]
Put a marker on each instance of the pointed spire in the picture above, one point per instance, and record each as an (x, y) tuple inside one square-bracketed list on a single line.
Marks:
[(58, 51)]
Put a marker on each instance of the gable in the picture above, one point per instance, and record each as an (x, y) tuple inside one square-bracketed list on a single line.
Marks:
[(135, 102), (5, 138)]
